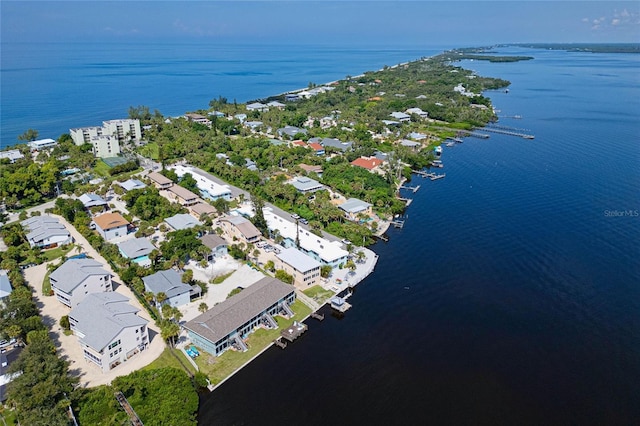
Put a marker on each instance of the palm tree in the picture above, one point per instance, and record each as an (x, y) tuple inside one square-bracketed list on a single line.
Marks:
[(160, 298), (202, 307)]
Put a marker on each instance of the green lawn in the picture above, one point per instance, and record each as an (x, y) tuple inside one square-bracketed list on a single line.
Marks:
[(57, 252), (101, 168), (150, 150), (168, 360), (319, 294), (46, 285), (220, 278), (231, 361)]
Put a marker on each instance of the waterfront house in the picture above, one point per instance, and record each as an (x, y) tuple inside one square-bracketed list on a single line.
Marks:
[(417, 136), (45, 232), (228, 323), (111, 225), (291, 97), (369, 163), (12, 155), (131, 184), (412, 145), (137, 250), (170, 283), (240, 228), (321, 249), (306, 185), (216, 244), (182, 196), (108, 329), (41, 144), (5, 285), (76, 278), (353, 207), (160, 181), (182, 221), (304, 269)]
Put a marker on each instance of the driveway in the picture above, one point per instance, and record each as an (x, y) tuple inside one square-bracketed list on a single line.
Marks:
[(68, 346)]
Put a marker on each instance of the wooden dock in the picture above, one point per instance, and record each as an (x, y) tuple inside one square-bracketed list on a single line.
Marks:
[(133, 417), (508, 132), (398, 223), (436, 177), (475, 134), (414, 189), (406, 200), (279, 343), (316, 315), (294, 331)]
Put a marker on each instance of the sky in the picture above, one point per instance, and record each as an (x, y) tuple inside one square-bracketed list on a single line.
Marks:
[(464, 23)]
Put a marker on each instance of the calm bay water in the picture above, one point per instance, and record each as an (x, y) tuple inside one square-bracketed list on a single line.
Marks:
[(511, 296)]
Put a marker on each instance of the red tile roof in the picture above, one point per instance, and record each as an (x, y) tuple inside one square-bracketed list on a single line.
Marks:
[(316, 146), (367, 163)]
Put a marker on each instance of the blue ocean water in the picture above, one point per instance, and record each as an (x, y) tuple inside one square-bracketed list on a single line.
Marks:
[(511, 295), (52, 87)]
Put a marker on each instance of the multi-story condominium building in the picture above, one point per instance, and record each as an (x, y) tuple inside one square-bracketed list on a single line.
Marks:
[(108, 329), (304, 269), (228, 323), (77, 278)]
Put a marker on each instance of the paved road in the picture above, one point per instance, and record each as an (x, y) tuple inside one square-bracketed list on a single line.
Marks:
[(68, 346)]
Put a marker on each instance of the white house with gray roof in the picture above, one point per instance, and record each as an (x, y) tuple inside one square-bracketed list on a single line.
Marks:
[(227, 323), (305, 185), (290, 131), (170, 283), (131, 184), (137, 249), (108, 329), (46, 232), (324, 251), (182, 221), (12, 155), (304, 269), (336, 143), (257, 106), (353, 207), (92, 200), (77, 278)]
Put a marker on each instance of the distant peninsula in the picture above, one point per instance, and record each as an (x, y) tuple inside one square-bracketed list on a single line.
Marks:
[(586, 47)]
